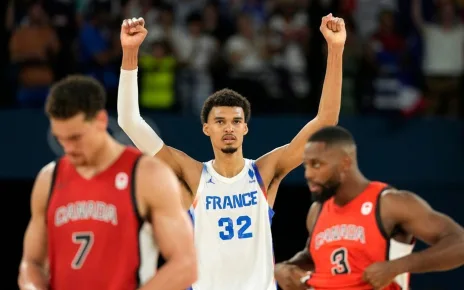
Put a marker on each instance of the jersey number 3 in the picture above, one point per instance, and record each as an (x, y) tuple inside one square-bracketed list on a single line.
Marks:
[(339, 260), (85, 241), (243, 222)]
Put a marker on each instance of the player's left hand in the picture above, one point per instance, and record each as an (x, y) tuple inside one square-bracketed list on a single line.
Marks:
[(380, 274), (333, 29)]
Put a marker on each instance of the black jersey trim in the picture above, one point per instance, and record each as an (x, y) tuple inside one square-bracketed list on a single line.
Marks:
[(378, 218), (52, 186), (133, 191), (380, 225), (313, 227)]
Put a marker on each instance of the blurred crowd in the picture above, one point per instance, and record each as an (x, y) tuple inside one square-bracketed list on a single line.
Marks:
[(401, 57)]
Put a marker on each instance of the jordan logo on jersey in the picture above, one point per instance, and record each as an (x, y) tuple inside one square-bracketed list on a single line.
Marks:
[(85, 210), (210, 181), (231, 201), (340, 232)]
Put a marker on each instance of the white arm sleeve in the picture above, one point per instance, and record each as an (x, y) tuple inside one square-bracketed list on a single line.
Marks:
[(143, 136)]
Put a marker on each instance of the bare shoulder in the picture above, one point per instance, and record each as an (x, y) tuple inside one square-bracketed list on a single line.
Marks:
[(154, 164), (45, 176), (42, 186), (403, 202), (156, 181), (185, 167), (313, 213), (267, 165)]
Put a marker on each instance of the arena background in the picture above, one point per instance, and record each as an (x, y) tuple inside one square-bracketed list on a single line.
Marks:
[(401, 140)]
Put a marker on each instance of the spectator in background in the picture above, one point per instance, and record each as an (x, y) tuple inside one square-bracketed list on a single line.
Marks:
[(443, 60), (184, 8), (83, 7), (33, 48), (246, 51), (290, 35), (99, 50), (352, 60), (157, 77), (247, 55), (166, 29), (393, 87), (366, 12), (258, 11), (214, 25), (63, 19), (149, 12), (196, 50)]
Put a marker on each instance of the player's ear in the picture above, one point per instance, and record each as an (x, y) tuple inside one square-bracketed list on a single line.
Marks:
[(206, 129), (347, 162), (102, 119), (246, 129)]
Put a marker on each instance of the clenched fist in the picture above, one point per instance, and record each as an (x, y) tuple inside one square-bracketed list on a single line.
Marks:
[(333, 29), (133, 33), (380, 274)]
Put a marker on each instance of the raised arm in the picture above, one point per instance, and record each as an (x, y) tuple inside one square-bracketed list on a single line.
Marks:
[(284, 159), (160, 191), (416, 217), (144, 137), (32, 270)]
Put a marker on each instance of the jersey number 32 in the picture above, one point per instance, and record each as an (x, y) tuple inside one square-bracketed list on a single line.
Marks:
[(229, 227)]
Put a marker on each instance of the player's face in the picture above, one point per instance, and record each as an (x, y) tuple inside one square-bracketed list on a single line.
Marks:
[(226, 127), (322, 170), (80, 138)]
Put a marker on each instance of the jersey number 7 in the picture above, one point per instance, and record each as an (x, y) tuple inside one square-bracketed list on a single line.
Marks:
[(85, 241), (243, 222)]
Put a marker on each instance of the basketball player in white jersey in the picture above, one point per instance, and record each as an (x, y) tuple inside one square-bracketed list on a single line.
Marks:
[(230, 198)]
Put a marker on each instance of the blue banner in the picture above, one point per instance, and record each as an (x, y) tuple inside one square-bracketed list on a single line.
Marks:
[(425, 153)]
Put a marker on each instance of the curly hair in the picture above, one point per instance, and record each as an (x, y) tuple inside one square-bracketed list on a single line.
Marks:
[(225, 98), (73, 95)]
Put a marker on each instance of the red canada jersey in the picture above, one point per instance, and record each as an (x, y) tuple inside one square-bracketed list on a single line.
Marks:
[(346, 240), (93, 227)]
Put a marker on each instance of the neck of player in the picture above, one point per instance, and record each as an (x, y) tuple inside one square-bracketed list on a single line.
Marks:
[(105, 156), (228, 165), (352, 186)]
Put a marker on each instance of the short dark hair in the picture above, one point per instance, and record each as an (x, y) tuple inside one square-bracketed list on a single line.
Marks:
[(194, 17), (333, 135), (73, 95), (225, 98)]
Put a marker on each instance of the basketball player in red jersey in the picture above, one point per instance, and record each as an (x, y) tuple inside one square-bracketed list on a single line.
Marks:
[(88, 207), (361, 232)]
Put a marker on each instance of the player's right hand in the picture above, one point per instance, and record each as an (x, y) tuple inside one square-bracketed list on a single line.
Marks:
[(133, 32), (289, 277)]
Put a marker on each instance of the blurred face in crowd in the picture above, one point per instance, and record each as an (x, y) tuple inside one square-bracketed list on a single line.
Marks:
[(36, 14), (159, 50), (79, 137), (195, 27), (387, 21), (210, 16), (166, 17), (447, 13), (245, 26)]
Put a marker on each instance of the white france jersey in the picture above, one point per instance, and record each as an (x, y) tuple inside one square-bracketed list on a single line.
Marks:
[(232, 226)]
